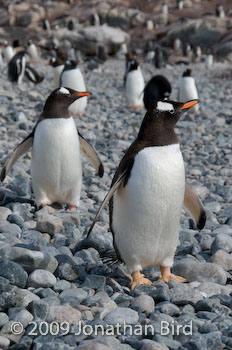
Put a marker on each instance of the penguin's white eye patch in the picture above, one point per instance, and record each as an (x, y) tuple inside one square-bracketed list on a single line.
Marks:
[(64, 91), (165, 106)]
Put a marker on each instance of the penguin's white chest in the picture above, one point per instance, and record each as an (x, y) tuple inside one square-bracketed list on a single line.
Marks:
[(56, 74), (188, 91), (8, 53), (146, 213), (74, 79), (56, 162), (134, 88)]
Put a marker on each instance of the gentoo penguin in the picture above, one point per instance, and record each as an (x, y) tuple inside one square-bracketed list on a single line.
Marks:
[(158, 88), (134, 85), (72, 77), (188, 89), (160, 57), (209, 61), (17, 66), (32, 75), (220, 11), (32, 50), (7, 51), (58, 66), (56, 161), (147, 194)]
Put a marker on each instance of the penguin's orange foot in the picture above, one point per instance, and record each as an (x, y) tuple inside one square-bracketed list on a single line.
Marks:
[(72, 207), (166, 275), (136, 108), (139, 279)]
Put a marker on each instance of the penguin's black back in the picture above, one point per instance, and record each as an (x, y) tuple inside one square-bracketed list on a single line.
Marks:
[(156, 89)]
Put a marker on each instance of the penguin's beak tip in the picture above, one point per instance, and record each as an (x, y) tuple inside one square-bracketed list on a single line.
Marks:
[(82, 94), (189, 104)]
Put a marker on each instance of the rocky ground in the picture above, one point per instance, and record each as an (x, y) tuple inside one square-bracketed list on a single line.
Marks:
[(49, 272)]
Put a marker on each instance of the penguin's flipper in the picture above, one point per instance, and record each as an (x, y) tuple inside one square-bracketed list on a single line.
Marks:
[(107, 198), (194, 206), (19, 150), (91, 154)]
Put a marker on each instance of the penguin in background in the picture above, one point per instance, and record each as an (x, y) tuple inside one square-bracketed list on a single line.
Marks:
[(158, 88), (209, 61), (16, 67), (56, 161), (147, 193), (220, 11), (32, 50), (58, 66), (73, 78), (149, 52), (134, 85), (8, 52), (160, 57), (187, 89), (178, 47)]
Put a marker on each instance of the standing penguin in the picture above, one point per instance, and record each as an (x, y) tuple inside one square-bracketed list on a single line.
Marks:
[(58, 66), (56, 161), (188, 89), (147, 194), (134, 85), (158, 88), (7, 51), (17, 66), (73, 79), (32, 50)]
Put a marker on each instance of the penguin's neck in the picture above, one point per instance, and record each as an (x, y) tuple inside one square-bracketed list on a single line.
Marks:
[(55, 111), (155, 132)]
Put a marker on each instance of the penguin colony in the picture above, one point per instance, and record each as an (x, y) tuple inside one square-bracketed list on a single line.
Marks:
[(143, 220)]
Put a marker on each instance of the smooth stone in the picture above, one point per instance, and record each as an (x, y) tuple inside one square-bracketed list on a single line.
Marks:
[(39, 309), (170, 343), (122, 315), (63, 313), (95, 282), (31, 260), (6, 332), (168, 308), (3, 318), (222, 258), (24, 297), (222, 242), (4, 213), (144, 303), (41, 278), (13, 229), (61, 285), (49, 224), (210, 288), (73, 296), (181, 296), (193, 270), (152, 345), (23, 316), (4, 343), (13, 272)]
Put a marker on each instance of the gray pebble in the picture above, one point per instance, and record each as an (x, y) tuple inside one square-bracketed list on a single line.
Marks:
[(41, 278), (121, 315)]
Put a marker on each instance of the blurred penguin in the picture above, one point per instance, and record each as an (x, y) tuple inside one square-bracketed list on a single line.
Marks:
[(160, 57), (209, 61), (178, 47), (32, 50), (16, 67), (94, 19), (187, 89), (158, 88), (134, 85), (8, 52), (72, 78), (220, 11), (180, 4), (149, 52)]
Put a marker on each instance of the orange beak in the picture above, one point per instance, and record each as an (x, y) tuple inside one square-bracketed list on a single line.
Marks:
[(190, 104), (82, 94)]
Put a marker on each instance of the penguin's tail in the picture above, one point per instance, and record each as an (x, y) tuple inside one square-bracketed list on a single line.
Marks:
[(110, 258)]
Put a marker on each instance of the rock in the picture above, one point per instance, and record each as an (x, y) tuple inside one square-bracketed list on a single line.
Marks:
[(63, 313), (61, 285), (13, 229), (3, 319), (200, 271), (21, 186), (49, 224), (207, 341), (31, 260), (152, 345), (95, 282), (223, 259), (4, 343), (67, 272), (13, 272), (180, 296), (23, 316), (168, 308), (24, 297), (210, 288), (41, 278), (6, 331), (4, 213), (73, 296), (222, 242), (122, 315), (144, 303), (170, 343), (39, 309), (88, 39)]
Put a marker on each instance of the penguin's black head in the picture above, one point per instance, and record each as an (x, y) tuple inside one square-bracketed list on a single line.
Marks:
[(70, 64), (171, 110), (133, 65), (187, 73), (157, 128), (59, 100)]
